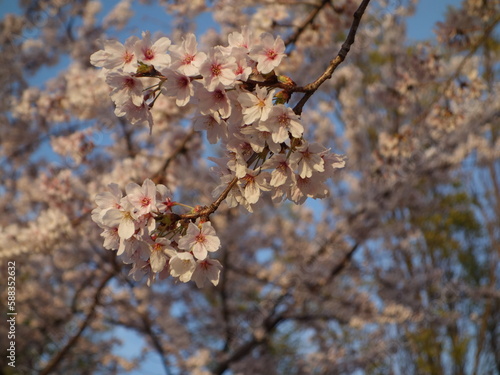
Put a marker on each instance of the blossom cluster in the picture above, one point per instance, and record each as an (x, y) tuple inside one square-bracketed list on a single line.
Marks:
[(147, 233), (235, 89), (241, 103)]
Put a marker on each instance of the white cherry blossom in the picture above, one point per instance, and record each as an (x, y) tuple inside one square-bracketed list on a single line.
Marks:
[(153, 53), (206, 270), (268, 53), (186, 58), (182, 265), (218, 69), (282, 120), (256, 106), (116, 55), (200, 239)]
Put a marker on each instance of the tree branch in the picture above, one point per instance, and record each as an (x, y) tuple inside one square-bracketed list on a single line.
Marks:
[(158, 175), (344, 50), (73, 340), (295, 36), (269, 324)]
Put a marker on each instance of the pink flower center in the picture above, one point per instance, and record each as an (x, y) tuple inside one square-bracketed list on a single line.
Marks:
[(306, 154), (219, 95), (128, 57), (183, 82), (188, 59), (149, 54), (200, 238), (146, 201), (271, 54), (240, 70), (129, 82), (216, 69), (211, 122), (283, 119), (249, 179), (283, 166)]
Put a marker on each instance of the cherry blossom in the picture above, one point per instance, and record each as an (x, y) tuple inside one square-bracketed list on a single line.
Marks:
[(218, 70), (117, 56), (125, 88), (399, 241), (153, 53), (281, 120), (160, 251), (307, 158), (215, 100), (186, 58), (178, 85), (182, 265), (256, 106), (268, 53), (142, 198), (200, 240), (206, 270), (123, 218)]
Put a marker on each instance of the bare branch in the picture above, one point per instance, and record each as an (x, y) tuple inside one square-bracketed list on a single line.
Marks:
[(84, 324), (344, 50), (181, 147), (295, 36)]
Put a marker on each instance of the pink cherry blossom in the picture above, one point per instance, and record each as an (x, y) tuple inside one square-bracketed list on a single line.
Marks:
[(280, 121), (116, 55), (160, 251), (212, 123), (200, 240), (186, 58), (253, 183), (125, 87), (307, 158), (123, 218), (182, 265), (215, 100), (218, 70), (153, 53), (206, 270), (177, 85), (268, 53), (281, 170), (136, 114), (142, 198), (256, 106)]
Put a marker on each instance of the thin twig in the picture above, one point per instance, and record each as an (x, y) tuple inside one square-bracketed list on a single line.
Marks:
[(344, 50), (207, 211), (158, 175), (85, 323), (295, 36)]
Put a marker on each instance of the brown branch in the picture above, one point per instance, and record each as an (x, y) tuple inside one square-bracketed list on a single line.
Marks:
[(344, 50), (155, 341), (269, 324), (158, 175), (207, 211), (295, 36), (223, 292), (272, 320), (343, 264), (84, 324)]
